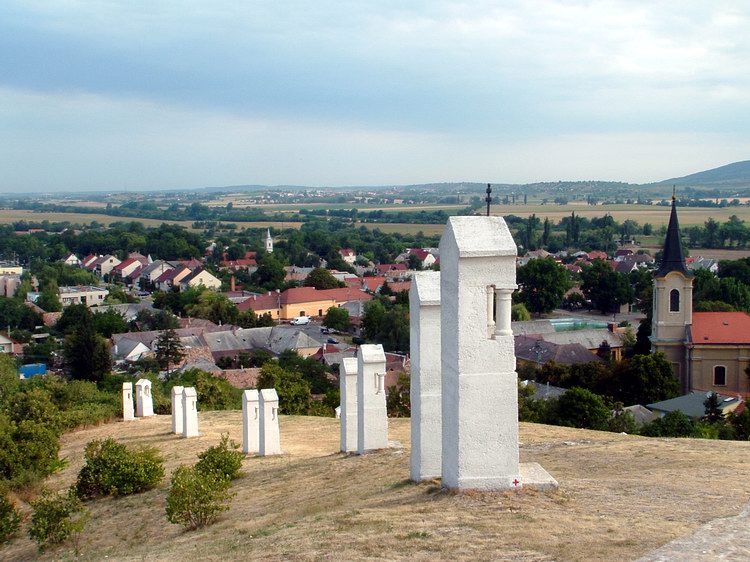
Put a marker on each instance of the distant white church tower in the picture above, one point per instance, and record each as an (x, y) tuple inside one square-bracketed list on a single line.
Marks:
[(269, 241)]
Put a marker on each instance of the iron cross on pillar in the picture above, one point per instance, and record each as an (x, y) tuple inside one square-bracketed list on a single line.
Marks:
[(488, 199)]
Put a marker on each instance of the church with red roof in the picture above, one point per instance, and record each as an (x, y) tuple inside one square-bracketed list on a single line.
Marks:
[(709, 351)]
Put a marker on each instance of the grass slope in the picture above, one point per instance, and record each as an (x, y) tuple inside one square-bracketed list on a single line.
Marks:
[(619, 497)]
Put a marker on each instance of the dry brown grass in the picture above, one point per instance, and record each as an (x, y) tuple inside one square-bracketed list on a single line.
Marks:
[(619, 498)]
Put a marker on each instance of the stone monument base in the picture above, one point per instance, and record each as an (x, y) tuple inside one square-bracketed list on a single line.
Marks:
[(534, 476)]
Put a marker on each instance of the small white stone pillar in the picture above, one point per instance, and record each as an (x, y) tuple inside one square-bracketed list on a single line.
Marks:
[(426, 418), (177, 415), (127, 401), (479, 382), (348, 396), (144, 402), (372, 415), (189, 412), (250, 422), (270, 443)]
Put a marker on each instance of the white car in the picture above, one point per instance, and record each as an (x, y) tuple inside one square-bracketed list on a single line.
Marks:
[(300, 320)]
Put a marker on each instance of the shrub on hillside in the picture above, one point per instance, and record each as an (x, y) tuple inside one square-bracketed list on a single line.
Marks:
[(196, 498), (57, 517), (10, 520), (111, 469), (224, 458), (672, 424)]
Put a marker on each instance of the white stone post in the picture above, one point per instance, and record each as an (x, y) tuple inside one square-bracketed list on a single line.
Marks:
[(348, 388), (189, 412), (144, 402), (372, 415), (270, 443), (127, 401), (250, 422), (479, 382), (426, 418), (177, 415)]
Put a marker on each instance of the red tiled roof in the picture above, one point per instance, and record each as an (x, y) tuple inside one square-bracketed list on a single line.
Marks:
[(386, 267), (135, 273), (420, 253), (598, 255), (346, 252), (261, 302), (344, 294), (373, 283), (400, 286), (126, 263), (242, 262), (720, 328)]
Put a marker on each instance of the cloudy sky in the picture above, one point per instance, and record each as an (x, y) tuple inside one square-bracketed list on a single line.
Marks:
[(140, 94)]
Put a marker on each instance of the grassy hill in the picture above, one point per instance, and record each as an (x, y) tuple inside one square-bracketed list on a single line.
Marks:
[(736, 174), (620, 497)]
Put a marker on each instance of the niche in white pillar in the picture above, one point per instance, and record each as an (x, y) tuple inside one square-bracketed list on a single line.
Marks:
[(348, 393), (250, 422), (372, 416), (127, 401), (189, 412), (270, 443), (426, 429), (177, 415)]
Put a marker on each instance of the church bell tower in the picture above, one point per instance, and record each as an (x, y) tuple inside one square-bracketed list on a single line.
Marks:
[(673, 302)]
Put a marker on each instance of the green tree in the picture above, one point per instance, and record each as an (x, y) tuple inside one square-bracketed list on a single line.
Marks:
[(398, 399), (87, 355), (337, 319), (519, 313), (544, 283), (645, 379), (581, 408), (169, 350), (215, 307), (713, 414), (293, 390), (606, 288), (322, 279), (109, 322), (270, 273)]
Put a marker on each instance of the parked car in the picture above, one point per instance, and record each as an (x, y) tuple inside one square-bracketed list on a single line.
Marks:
[(325, 330), (332, 340), (300, 320)]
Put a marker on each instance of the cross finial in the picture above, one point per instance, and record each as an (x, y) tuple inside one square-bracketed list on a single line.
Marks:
[(488, 199)]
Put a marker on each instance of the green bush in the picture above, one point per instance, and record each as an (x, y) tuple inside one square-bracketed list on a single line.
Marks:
[(111, 469), (57, 517), (672, 424), (223, 458), (37, 448), (10, 520), (196, 498)]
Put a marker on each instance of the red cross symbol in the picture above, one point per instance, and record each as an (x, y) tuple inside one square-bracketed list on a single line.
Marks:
[(515, 482)]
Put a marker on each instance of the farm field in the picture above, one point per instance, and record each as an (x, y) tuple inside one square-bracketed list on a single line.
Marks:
[(8, 216), (620, 497)]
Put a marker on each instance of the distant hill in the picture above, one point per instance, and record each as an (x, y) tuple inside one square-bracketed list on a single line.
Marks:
[(731, 175)]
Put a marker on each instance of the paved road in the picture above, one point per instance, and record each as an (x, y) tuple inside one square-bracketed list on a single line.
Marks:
[(726, 539)]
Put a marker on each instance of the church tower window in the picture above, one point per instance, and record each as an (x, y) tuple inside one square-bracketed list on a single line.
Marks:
[(720, 375), (674, 300)]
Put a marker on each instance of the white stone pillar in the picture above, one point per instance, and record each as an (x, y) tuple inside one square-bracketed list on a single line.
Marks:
[(372, 415), (127, 401), (270, 443), (348, 392), (479, 383), (426, 418), (503, 304), (177, 415), (144, 402), (189, 412), (250, 422)]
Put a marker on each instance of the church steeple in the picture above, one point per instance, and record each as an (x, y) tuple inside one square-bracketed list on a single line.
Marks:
[(672, 258)]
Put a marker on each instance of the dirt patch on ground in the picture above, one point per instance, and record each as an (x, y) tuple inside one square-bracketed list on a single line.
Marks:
[(619, 498)]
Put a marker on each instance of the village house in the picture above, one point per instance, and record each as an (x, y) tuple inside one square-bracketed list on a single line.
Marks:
[(200, 278), (301, 301)]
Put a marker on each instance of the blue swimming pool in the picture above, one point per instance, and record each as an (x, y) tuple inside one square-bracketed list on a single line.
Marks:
[(569, 324)]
